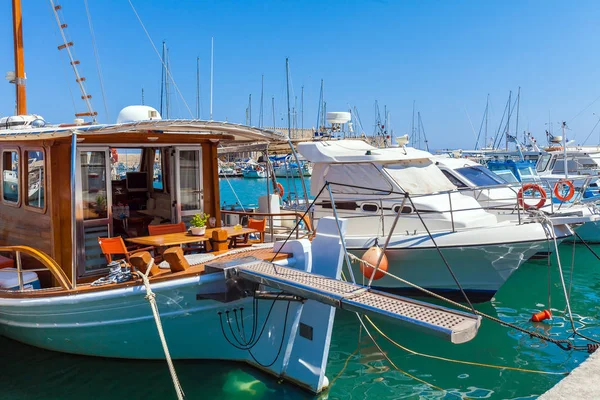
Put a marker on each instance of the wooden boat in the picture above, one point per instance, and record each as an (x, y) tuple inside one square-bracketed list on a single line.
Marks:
[(69, 299)]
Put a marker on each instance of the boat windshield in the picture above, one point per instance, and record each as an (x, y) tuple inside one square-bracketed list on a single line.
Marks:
[(480, 176), (507, 175), (543, 162)]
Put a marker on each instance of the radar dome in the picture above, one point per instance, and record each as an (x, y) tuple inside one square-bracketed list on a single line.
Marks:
[(138, 113), (338, 117)]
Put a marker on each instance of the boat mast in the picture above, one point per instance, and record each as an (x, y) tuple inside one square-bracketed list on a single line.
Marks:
[(162, 77), (564, 138), (212, 64), (287, 82), (518, 106), (21, 97), (302, 109), (197, 87), (412, 130), (273, 111), (262, 92), (508, 118), (487, 105)]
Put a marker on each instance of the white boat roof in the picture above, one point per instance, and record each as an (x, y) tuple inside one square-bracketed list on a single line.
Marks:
[(355, 151), (453, 163), (172, 126)]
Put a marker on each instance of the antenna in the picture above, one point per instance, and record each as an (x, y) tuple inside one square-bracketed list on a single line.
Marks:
[(142, 96), (250, 110), (167, 77), (212, 65), (162, 76), (79, 79)]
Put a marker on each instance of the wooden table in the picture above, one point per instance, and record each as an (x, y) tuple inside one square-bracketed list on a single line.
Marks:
[(176, 239)]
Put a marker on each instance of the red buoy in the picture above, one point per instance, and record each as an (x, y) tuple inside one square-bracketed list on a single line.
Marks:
[(372, 256), (542, 315)]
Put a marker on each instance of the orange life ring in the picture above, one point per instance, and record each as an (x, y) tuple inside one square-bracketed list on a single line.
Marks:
[(280, 189), (535, 188), (558, 188)]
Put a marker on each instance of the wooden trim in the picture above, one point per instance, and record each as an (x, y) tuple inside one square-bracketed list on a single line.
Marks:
[(25, 150), (16, 149)]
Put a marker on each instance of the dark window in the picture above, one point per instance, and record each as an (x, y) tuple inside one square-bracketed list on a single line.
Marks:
[(35, 178)]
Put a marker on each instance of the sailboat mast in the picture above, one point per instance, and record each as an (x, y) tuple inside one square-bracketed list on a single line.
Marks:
[(487, 105), (19, 58), (212, 64), (302, 108), (167, 94), (250, 109), (273, 111), (262, 92), (518, 106), (197, 87), (162, 76), (287, 83)]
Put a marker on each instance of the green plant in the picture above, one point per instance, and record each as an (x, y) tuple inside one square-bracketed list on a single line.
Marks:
[(199, 220), (100, 203)]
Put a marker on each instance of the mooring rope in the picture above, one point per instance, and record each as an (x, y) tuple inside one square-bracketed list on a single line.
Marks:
[(151, 297)]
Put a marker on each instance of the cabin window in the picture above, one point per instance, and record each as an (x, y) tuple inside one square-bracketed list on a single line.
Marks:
[(93, 184), (543, 162), (157, 180), (36, 176), (370, 207), (10, 176), (125, 160)]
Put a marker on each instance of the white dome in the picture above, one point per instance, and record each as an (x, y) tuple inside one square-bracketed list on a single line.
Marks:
[(137, 113), (338, 117)]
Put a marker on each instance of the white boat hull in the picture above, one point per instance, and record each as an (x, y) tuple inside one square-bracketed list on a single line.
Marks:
[(481, 263)]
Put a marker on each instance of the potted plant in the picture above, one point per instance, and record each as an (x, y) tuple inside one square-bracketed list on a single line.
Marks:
[(198, 224)]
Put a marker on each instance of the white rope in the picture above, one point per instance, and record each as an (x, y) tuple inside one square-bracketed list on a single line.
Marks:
[(152, 300), (97, 56), (161, 59)]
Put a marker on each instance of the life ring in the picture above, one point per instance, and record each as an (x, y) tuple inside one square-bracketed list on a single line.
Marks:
[(280, 189), (558, 189), (535, 188)]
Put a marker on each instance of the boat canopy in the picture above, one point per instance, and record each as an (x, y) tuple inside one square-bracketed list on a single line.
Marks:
[(229, 131), (419, 177)]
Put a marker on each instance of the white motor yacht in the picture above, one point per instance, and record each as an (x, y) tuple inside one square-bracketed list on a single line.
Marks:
[(501, 198), (368, 186)]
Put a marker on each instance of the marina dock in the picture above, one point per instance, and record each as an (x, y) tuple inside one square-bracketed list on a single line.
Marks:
[(580, 384)]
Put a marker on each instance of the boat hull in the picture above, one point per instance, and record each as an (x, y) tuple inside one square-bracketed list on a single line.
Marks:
[(481, 269)]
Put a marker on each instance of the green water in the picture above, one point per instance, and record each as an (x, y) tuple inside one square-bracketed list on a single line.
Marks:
[(30, 373)]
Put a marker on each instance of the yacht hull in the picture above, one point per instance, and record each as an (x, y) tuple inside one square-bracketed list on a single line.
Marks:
[(481, 269)]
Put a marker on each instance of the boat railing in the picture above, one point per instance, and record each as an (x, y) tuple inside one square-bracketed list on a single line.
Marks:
[(389, 198), (47, 262), (283, 222)]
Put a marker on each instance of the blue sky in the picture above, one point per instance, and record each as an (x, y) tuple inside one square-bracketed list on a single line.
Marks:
[(445, 55)]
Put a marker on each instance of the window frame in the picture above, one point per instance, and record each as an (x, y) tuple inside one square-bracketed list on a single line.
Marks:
[(17, 150), (25, 151)]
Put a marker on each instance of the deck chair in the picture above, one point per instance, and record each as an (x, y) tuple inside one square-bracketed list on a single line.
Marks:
[(260, 225), (112, 246)]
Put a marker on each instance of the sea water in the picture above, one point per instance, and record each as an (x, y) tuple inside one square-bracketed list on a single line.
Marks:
[(356, 366)]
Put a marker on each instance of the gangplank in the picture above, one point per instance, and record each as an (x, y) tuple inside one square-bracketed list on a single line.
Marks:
[(452, 325)]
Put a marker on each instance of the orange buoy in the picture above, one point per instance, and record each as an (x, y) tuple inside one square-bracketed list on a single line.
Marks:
[(372, 256), (542, 315), (535, 188), (558, 188), (280, 189)]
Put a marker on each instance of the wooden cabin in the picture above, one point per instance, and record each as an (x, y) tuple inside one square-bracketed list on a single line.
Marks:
[(125, 177)]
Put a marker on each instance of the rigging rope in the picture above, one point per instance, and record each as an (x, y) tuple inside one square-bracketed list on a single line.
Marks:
[(151, 297), (161, 59), (97, 56)]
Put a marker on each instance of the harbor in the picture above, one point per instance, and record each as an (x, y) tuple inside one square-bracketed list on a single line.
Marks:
[(158, 247)]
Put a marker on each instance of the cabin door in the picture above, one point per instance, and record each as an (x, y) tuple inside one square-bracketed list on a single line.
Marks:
[(188, 182), (93, 200)]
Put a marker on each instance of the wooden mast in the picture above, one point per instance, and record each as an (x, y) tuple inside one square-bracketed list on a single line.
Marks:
[(19, 58)]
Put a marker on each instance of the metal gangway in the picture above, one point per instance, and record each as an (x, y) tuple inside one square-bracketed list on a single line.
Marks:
[(451, 325)]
